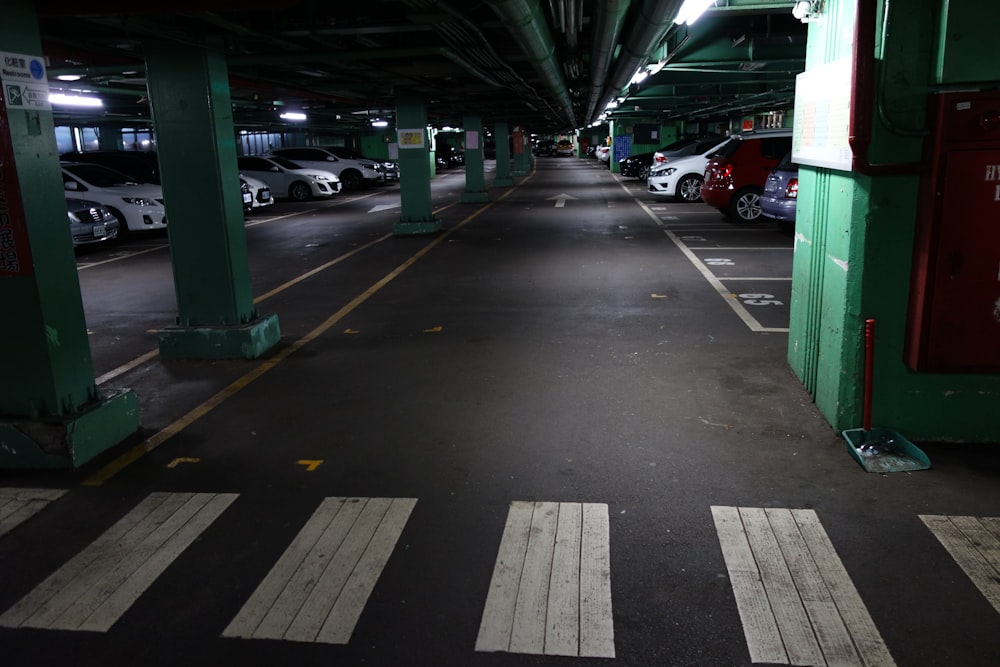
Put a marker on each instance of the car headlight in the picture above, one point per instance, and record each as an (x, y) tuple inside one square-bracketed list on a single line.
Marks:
[(72, 216), (320, 177), (139, 201)]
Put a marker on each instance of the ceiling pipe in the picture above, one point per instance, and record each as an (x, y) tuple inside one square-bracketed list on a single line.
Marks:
[(75, 8), (645, 35), (610, 18), (530, 30)]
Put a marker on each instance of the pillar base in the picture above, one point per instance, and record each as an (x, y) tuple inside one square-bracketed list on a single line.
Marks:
[(475, 197), (243, 341), (519, 172), (69, 442), (503, 182), (415, 228)]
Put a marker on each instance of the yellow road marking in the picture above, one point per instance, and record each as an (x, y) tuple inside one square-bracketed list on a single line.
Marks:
[(183, 459), (157, 439), (310, 464), (437, 329)]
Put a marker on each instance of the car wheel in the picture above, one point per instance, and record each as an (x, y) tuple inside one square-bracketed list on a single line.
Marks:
[(689, 189), (745, 205), (644, 172), (299, 191), (352, 179)]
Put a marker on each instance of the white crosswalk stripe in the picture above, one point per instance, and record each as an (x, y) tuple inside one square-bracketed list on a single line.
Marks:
[(551, 587), (318, 588), (974, 543), (796, 601), (18, 505), (94, 589)]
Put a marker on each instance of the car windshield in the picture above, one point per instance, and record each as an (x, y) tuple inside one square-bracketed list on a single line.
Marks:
[(728, 149), (99, 176), (786, 163), (285, 162), (677, 145)]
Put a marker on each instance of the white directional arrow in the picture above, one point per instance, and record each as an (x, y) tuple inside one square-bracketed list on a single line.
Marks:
[(383, 207), (561, 199)]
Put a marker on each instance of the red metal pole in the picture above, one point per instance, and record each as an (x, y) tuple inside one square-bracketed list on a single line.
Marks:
[(869, 372)]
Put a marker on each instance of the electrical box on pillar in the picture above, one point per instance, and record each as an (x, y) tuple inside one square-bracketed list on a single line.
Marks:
[(954, 315)]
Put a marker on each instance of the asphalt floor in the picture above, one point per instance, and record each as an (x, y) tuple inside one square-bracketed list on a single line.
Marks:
[(573, 341)]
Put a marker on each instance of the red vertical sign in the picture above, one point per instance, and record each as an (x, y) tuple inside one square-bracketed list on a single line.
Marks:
[(15, 254)]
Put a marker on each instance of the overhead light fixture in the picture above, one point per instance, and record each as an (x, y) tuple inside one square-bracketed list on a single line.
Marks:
[(691, 10), (75, 100), (380, 123), (69, 77), (808, 10), (293, 115), (639, 76)]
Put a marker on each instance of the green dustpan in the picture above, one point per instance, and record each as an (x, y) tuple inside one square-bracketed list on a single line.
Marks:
[(884, 450), (880, 449)]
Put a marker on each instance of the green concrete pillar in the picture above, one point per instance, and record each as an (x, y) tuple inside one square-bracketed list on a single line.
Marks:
[(109, 137), (192, 114), (475, 179), (52, 414), (502, 178), (414, 169), (522, 152)]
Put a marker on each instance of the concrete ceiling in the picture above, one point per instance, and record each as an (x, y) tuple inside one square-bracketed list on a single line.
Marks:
[(551, 65)]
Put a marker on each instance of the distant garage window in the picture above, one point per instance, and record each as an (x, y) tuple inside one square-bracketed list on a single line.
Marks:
[(646, 133), (64, 140)]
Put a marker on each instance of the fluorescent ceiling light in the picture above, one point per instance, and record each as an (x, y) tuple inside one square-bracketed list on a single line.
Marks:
[(380, 123), (69, 77), (293, 115), (75, 100), (691, 10), (639, 76)]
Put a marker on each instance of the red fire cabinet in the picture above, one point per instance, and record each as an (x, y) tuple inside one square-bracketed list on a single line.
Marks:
[(954, 315)]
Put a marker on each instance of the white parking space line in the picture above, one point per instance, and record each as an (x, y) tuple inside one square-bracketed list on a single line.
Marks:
[(320, 585), (974, 543), (795, 599), (550, 592), (19, 505), (97, 586), (755, 279)]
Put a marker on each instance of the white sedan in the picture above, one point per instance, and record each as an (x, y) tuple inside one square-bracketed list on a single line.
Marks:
[(138, 206), (681, 177), (288, 179), (255, 194)]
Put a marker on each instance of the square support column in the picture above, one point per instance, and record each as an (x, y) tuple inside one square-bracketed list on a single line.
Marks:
[(502, 178), (475, 180), (192, 114), (414, 169), (52, 414)]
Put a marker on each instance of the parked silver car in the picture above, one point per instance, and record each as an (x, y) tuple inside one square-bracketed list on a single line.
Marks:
[(353, 173), (90, 222)]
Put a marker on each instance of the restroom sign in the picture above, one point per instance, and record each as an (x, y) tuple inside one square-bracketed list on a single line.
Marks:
[(22, 82)]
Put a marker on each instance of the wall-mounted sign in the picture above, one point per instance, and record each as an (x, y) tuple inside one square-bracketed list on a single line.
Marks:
[(822, 126), (411, 138), (23, 82)]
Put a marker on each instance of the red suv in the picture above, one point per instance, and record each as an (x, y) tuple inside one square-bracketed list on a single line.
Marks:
[(735, 176)]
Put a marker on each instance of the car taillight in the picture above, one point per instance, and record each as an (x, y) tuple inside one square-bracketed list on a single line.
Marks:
[(792, 191), (726, 170), (659, 158)]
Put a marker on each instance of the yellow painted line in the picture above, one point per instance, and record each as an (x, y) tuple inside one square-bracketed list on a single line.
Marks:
[(183, 459), (157, 439), (310, 464), (437, 329)]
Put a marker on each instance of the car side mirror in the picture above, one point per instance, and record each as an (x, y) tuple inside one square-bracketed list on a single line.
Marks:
[(71, 185), (330, 158)]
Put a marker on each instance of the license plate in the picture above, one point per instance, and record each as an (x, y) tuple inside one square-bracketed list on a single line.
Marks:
[(770, 186), (247, 198), (99, 231)]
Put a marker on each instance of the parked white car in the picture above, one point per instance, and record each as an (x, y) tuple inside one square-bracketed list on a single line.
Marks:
[(681, 178), (603, 153), (138, 206), (289, 179), (256, 193), (353, 173)]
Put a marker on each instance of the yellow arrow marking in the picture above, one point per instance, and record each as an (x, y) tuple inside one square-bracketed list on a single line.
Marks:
[(310, 465), (173, 464), (434, 330), (658, 296), (350, 331)]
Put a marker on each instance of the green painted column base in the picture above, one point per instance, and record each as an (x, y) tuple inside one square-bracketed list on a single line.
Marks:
[(415, 228), (475, 197), (243, 341), (503, 182), (69, 442)]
